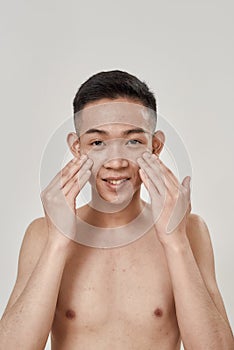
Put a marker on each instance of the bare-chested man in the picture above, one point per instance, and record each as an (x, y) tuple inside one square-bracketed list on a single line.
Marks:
[(149, 294)]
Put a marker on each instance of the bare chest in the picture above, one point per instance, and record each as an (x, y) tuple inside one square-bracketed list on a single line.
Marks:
[(128, 289)]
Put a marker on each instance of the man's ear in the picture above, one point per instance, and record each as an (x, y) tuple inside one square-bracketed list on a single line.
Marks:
[(158, 142), (74, 144)]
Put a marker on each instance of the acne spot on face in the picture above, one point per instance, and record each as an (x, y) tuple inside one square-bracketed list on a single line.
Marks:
[(70, 314), (158, 312)]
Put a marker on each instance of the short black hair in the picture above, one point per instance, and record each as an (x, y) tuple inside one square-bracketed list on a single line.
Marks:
[(113, 84)]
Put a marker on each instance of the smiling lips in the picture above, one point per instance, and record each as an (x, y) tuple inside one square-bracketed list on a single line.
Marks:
[(116, 180)]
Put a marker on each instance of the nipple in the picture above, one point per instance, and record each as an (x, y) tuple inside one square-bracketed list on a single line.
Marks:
[(70, 314), (158, 312)]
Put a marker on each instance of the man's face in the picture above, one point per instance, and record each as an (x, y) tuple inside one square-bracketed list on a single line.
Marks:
[(114, 133)]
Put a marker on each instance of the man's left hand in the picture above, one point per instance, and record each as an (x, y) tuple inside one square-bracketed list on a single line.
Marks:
[(170, 200)]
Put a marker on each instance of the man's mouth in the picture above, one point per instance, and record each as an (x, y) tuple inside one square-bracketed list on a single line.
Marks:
[(116, 181)]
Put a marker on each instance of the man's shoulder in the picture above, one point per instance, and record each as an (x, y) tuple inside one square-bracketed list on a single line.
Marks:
[(198, 234), (195, 221), (37, 226), (196, 225), (36, 231), (33, 243)]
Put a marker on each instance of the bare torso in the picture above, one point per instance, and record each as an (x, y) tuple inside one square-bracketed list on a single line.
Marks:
[(118, 298)]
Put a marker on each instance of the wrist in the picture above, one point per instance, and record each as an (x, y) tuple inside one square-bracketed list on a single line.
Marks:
[(176, 241)]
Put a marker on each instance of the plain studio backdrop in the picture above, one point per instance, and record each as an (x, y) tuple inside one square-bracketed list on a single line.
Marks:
[(183, 50)]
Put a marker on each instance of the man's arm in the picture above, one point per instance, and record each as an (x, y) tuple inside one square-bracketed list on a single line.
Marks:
[(200, 310), (28, 317)]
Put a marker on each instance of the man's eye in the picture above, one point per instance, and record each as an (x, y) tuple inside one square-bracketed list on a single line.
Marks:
[(134, 142), (97, 143)]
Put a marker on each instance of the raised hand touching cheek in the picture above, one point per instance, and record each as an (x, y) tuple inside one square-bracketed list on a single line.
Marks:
[(170, 200), (59, 197)]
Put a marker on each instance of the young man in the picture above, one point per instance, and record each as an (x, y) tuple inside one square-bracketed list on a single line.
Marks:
[(149, 294)]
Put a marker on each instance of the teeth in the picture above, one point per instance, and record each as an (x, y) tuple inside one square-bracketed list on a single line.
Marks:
[(116, 182)]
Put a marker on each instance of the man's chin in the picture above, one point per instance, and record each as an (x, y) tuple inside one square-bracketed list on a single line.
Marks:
[(115, 199), (110, 204)]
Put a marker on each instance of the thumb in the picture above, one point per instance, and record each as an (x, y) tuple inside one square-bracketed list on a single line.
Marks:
[(187, 182)]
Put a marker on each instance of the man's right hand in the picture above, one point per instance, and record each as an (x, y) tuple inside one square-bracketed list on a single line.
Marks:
[(59, 198), (43, 255)]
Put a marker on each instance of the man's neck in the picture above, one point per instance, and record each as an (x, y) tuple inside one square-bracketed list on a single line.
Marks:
[(114, 217)]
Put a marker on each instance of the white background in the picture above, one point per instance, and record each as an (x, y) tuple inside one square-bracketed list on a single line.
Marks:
[(182, 49)]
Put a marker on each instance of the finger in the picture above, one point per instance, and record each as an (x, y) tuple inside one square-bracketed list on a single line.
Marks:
[(71, 171), (148, 183), (169, 178), (77, 176), (61, 176), (75, 161), (172, 185), (61, 182), (153, 161), (144, 178), (154, 195), (67, 174), (168, 173), (187, 183), (79, 184), (154, 174)]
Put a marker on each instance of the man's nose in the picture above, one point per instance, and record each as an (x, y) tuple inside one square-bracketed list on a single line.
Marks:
[(116, 155), (116, 163)]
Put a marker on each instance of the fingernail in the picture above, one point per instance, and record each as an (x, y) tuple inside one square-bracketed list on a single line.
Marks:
[(146, 155)]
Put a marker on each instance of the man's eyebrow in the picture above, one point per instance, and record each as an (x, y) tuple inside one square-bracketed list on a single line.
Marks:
[(99, 131), (134, 131), (126, 132)]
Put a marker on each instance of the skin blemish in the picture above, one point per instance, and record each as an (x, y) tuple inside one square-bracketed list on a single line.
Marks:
[(158, 312), (70, 314)]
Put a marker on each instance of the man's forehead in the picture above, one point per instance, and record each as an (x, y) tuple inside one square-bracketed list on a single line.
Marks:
[(106, 115), (116, 128)]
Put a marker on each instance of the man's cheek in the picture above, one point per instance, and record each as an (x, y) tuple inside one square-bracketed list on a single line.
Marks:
[(98, 159)]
